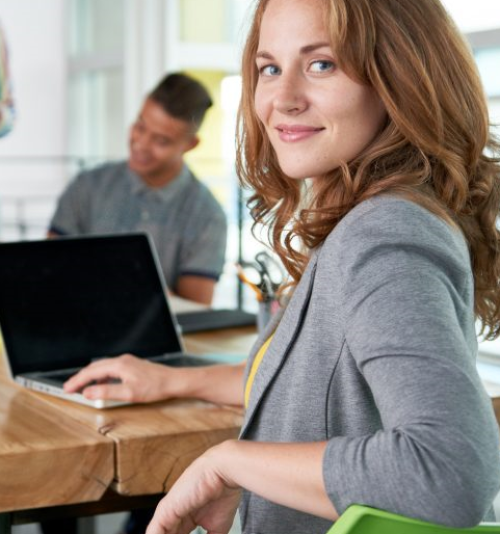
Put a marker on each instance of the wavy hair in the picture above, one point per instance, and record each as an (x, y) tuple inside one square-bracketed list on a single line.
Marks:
[(435, 149)]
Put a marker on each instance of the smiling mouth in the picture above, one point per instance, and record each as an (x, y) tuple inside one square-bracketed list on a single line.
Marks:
[(138, 159), (291, 134)]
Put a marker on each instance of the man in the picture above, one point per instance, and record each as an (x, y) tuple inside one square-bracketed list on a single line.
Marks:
[(154, 191)]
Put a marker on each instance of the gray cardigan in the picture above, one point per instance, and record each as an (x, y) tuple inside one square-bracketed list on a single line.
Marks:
[(376, 354)]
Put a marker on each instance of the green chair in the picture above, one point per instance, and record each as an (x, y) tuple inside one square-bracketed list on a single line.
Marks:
[(359, 519)]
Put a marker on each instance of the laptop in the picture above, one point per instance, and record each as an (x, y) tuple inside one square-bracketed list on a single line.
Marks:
[(65, 302)]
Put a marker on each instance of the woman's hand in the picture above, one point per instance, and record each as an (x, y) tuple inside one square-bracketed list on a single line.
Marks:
[(132, 379), (126, 378), (203, 496), (207, 493)]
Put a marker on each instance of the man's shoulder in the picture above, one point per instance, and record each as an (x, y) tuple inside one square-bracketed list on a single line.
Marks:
[(202, 195), (105, 172)]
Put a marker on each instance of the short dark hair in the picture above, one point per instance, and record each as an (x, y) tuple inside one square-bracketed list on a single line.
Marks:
[(182, 97)]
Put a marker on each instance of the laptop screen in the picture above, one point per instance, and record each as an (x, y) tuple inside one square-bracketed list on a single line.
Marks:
[(66, 301)]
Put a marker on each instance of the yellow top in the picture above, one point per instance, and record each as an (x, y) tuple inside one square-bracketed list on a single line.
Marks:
[(253, 371)]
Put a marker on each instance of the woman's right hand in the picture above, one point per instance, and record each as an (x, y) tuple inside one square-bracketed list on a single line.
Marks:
[(202, 496), (126, 378)]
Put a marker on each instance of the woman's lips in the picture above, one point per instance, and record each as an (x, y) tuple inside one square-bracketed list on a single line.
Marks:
[(296, 132)]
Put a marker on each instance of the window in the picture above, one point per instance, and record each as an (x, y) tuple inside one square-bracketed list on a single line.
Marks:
[(119, 50), (486, 47), (96, 79)]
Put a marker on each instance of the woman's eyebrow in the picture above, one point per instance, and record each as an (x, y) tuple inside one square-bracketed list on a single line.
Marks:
[(307, 49), (263, 54), (312, 47)]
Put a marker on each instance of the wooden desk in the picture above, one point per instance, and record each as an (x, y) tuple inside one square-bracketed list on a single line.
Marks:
[(55, 452), (47, 457)]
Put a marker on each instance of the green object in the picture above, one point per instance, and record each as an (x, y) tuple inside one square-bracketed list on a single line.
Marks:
[(359, 519)]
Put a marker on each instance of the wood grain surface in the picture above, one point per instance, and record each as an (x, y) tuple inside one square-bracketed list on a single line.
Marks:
[(55, 452), (75, 452), (154, 443), (46, 457)]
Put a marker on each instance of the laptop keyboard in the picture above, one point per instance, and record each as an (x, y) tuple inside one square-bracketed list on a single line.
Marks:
[(60, 376), (174, 360), (199, 321)]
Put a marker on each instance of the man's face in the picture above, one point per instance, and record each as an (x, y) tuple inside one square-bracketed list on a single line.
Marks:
[(157, 144)]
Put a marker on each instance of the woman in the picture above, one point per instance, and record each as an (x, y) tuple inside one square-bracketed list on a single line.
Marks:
[(366, 390)]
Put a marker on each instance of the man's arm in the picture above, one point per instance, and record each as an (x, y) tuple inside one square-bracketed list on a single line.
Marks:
[(197, 288), (71, 216), (202, 255)]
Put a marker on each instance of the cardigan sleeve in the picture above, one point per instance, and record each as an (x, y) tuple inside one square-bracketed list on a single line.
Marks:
[(409, 326)]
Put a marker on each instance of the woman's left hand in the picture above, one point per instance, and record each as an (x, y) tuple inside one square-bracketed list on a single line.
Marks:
[(201, 497)]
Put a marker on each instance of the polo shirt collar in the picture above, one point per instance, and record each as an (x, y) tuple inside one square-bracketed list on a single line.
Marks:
[(165, 193)]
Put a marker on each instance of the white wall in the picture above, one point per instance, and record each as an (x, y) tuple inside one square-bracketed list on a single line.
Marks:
[(36, 37)]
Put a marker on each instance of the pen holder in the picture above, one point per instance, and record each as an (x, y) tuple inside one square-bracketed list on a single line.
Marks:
[(266, 309)]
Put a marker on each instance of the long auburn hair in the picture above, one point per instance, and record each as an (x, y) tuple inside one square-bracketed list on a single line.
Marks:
[(435, 148)]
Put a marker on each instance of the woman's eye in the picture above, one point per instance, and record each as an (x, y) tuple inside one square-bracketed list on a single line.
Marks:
[(322, 66), (269, 70)]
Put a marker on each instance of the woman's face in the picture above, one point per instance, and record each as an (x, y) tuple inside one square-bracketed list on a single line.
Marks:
[(315, 115)]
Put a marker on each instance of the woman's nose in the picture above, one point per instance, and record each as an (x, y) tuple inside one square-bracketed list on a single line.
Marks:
[(290, 97)]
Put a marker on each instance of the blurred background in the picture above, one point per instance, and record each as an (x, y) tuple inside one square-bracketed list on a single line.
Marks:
[(81, 68)]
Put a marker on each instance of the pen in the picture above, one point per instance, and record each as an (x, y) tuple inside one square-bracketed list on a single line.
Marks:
[(251, 285)]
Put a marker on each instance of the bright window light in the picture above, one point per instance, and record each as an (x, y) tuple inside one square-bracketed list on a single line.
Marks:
[(474, 16)]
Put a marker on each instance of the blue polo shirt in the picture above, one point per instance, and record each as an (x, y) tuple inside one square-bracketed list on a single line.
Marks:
[(186, 223)]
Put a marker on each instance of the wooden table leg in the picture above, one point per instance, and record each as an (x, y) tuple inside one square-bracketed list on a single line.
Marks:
[(5, 523)]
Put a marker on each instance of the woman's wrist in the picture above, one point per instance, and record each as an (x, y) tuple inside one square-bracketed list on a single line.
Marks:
[(224, 457), (187, 383), (220, 384), (177, 382)]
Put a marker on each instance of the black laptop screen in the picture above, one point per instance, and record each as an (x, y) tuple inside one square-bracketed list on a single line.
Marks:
[(64, 302)]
